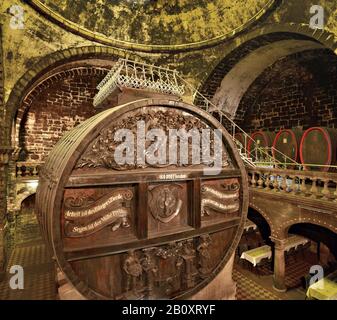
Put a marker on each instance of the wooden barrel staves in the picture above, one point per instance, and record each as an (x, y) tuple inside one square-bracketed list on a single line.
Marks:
[(260, 140), (287, 141), (318, 147), (140, 229)]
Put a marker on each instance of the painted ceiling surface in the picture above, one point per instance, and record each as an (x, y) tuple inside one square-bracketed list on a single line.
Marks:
[(158, 22)]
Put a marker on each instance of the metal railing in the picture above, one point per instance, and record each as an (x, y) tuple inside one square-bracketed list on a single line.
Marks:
[(131, 74), (266, 155)]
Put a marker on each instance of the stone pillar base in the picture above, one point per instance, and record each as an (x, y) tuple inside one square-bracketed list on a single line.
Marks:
[(279, 290), (68, 292)]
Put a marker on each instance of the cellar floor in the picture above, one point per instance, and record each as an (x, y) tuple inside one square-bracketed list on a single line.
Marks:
[(253, 287), (253, 284), (40, 277)]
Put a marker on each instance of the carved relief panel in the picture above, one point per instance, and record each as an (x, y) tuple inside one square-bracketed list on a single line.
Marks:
[(220, 200), (99, 214), (168, 207)]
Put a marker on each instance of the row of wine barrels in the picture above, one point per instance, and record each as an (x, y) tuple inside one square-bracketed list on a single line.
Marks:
[(131, 231), (317, 146)]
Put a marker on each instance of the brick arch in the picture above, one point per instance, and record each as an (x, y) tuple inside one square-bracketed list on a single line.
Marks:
[(265, 216), (22, 197), (283, 228), (88, 76), (44, 65), (231, 76), (288, 94), (267, 34)]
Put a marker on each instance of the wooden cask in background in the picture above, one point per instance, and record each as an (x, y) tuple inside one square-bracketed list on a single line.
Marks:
[(263, 140), (318, 147), (287, 141)]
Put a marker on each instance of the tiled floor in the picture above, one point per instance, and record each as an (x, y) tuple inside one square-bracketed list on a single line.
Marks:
[(39, 276), (253, 285), (248, 289)]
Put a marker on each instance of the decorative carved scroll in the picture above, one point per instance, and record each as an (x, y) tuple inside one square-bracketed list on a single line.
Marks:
[(85, 216), (100, 153), (223, 199), (164, 202)]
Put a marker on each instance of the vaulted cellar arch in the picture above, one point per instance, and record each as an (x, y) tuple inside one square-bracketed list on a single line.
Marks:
[(317, 233), (262, 221), (44, 68), (241, 66)]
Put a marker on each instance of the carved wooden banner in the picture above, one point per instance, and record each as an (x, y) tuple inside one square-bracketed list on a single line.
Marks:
[(144, 201), (84, 218)]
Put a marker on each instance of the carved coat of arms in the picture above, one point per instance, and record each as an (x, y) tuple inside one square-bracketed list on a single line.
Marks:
[(164, 202)]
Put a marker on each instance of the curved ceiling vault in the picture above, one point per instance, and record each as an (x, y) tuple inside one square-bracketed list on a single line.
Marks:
[(155, 24), (237, 81)]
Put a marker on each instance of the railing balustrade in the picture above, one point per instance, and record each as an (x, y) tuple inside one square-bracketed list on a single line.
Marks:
[(27, 169), (311, 184)]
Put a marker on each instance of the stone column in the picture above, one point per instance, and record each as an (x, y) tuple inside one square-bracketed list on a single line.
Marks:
[(279, 265)]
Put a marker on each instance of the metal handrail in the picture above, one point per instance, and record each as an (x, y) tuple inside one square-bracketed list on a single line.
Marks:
[(132, 74), (212, 108)]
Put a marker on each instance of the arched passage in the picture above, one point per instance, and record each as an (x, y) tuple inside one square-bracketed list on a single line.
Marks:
[(237, 81), (61, 99), (42, 69), (27, 226), (316, 233), (234, 75), (261, 223)]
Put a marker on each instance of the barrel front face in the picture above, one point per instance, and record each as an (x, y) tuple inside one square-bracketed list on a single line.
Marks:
[(261, 140), (287, 142), (127, 217), (318, 147)]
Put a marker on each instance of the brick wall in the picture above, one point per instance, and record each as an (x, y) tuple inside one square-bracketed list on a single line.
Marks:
[(54, 107), (298, 91)]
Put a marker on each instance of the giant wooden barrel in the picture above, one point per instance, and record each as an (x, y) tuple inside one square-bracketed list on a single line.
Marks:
[(260, 140), (318, 147), (287, 141), (142, 229)]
